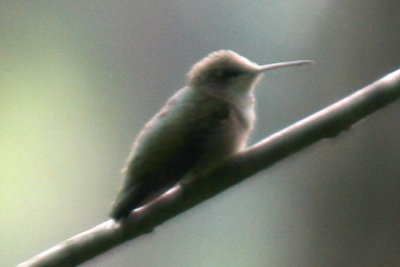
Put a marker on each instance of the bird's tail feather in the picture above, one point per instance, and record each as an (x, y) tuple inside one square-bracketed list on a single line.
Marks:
[(125, 202)]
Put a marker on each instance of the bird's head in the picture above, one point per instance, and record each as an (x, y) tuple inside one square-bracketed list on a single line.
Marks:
[(222, 69), (226, 70)]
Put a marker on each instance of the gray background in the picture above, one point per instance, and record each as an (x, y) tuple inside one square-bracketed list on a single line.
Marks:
[(78, 79)]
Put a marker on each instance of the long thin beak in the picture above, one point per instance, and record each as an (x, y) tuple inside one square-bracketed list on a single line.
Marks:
[(284, 64)]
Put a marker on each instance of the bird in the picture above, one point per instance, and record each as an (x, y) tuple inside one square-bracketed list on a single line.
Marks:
[(202, 125)]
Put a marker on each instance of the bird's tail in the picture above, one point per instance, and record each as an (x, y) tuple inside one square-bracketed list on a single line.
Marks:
[(125, 202)]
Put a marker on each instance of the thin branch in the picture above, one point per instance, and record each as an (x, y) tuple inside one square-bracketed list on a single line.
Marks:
[(324, 124)]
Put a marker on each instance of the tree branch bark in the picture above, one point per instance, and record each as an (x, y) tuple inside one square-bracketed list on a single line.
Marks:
[(324, 124)]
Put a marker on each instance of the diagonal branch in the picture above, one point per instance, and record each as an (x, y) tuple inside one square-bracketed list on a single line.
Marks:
[(324, 124)]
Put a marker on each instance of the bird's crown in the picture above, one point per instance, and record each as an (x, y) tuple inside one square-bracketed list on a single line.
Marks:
[(220, 64)]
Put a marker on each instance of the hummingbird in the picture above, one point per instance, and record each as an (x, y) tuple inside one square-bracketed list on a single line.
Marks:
[(202, 125)]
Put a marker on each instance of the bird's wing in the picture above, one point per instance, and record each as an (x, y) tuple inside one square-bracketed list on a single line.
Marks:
[(167, 148)]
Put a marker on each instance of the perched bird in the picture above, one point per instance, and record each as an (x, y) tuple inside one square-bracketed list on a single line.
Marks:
[(200, 126)]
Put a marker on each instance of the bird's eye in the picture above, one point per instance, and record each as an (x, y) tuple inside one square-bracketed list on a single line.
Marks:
[(227, 74)]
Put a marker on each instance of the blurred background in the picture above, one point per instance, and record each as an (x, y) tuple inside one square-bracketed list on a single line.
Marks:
[(78, 80)]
